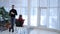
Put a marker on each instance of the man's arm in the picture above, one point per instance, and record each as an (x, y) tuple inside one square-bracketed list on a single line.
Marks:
[(12, 13), (15, 12)]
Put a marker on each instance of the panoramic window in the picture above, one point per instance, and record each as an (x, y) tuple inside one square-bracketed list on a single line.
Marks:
[(48, 9)]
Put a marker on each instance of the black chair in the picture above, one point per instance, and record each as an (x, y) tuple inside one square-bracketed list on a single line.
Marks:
[(19, 24)]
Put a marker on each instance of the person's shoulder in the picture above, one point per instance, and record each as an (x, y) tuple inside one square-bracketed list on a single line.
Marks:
[(14, 9)]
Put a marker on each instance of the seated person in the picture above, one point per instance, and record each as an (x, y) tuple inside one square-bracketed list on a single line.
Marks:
[(20, 21)]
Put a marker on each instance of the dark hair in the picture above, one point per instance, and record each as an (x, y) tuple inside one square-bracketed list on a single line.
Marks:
[(12, 5), (20, 15)]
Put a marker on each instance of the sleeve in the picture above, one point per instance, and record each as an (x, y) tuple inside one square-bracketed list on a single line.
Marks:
[(15, 12)]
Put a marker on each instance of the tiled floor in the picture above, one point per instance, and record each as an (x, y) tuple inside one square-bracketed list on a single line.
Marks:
[(25, 30), (18, 30), (6, 32)]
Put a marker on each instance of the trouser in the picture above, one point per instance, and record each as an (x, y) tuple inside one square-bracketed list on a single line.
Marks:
[(12, 24)]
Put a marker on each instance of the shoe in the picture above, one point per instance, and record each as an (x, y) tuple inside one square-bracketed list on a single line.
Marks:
[(12, 30), (9, 30)]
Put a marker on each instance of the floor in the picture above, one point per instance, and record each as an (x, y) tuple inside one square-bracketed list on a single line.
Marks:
[(18, 30), (24, 30)]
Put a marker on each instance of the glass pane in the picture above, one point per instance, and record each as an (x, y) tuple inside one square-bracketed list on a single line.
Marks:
[(43, 3), (53, 22), (33, 17), (34, 3), (24, 14), (53, 18), (43, 17), (18, 12), (43, 12), (43, 20), (19, 3), (53, 11), (24, 3), (4, 3), (53, 3), (16, 2)]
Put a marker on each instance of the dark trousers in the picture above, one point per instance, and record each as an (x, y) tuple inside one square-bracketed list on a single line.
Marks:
[(12, 24)]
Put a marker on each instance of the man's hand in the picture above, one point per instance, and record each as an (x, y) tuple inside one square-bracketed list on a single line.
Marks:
[(12, 13)]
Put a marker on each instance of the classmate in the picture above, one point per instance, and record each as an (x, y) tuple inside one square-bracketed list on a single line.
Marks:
[(20, 21), (12, 14)]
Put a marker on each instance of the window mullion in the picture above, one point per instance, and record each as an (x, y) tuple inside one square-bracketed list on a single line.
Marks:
[(38, 14), (28, 12)]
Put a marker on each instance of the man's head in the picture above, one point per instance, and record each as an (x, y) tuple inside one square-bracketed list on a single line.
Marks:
[(12, 6)]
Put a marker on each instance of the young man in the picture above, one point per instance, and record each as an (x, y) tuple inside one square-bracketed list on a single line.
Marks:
[(12, 14)]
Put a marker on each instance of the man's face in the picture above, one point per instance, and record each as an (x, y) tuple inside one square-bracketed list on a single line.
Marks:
[(12, 6)]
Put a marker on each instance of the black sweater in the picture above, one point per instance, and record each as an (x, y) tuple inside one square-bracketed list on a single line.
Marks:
[(14, 11)]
